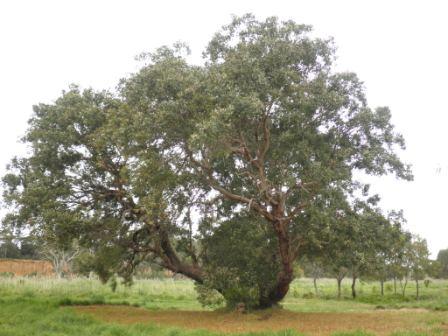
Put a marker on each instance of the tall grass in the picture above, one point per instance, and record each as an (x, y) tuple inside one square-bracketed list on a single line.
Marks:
[(180, 294), (434, 296), (152, 293)]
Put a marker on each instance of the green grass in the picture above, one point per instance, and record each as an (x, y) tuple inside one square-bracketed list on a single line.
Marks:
[(154, 294), (31, 306), (433, 297), (37, 317)]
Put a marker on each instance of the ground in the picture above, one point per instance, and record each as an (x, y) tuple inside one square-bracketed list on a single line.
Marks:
[(32, 306), (380, 323)]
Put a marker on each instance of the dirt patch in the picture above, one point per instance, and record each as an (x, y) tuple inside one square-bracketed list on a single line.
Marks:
[(21, 267), (316, 324)]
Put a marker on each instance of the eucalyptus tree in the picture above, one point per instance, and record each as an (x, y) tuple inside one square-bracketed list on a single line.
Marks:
[(356, 241), (391, 251), (415, 262), (339, 250), (419, 262), (314, 267), (9, 249), (384, 235), (442, 258), (265, 126)]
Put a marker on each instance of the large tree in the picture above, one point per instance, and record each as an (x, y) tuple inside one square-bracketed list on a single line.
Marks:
[(265, 128)]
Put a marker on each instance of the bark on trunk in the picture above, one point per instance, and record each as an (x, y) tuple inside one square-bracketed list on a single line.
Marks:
[(404, 287), (417, 289), (382, 287), (339, 280), (395, 285), (286, 274), (173, 263), (278, 292), (315, 286), (354, 287), (166, 252)]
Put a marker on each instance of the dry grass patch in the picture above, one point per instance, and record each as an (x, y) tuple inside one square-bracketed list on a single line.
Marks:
[(381, 323)]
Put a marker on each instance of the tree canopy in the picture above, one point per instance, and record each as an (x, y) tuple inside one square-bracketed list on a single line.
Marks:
[(171, 165)]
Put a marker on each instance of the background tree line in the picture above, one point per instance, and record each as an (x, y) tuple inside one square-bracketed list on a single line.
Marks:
[(16, 247)]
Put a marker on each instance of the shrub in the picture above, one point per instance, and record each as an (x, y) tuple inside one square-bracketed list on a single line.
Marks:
[(208, 297), (6, 275), (296, 293), (309, 295), (242, 269)]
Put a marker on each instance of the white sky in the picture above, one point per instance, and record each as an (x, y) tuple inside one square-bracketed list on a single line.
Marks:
[(398, 48)]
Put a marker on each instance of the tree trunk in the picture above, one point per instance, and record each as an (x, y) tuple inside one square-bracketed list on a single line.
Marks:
[(404, 286), (315, 286), (339, 280), (395, 285), (417, 288), (354, 287), (286, 274), (279, 291), (382, 287)]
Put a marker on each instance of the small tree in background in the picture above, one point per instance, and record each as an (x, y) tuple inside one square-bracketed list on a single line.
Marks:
[(354, 243), (314, 267), (419, 261), (61, 258), (14, 246), (389, 243), (29, 249), (9, 249), (442, 258), (398, 255)]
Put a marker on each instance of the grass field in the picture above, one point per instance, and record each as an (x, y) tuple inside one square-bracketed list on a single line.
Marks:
[(33, 306)]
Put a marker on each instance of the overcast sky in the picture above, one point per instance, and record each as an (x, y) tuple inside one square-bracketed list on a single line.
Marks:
[(398, 48)]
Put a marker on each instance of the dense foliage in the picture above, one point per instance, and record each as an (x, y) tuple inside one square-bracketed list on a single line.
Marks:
[(442, 258), (236, 167)]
